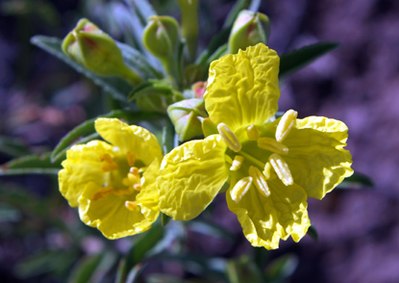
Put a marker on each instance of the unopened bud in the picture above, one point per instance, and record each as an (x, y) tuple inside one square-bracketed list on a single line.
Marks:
[(186, 117), (249, 29), (89, 46), (161, 37)]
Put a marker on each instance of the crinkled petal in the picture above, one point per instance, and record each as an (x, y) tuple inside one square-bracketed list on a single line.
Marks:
[(191, 176), (82, 166), (130, 139), (266, 220), (110, 215), (148, 197), (317, 158), (243, 88)]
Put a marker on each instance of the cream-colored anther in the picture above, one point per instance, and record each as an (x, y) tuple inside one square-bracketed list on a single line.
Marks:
[(252, 132), (131, 205), (240, 189), (259, 180), (237, 162), (281, 168), (229, 137), (272, 145), (285, 125), (267, 170)]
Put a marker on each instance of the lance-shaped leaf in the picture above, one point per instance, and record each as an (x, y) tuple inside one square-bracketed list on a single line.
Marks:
[(296, 59), (30, 164)]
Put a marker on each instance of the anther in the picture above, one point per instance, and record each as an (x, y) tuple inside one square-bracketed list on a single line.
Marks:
[(240, 189), (285, 124), (281, 168), (252, 132), (131, 205), (229, 137), (237, 162), (259, 180), (267, 170), (272, 145)]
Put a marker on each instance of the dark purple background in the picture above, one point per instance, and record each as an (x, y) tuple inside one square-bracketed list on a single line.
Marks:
[(40, 99)]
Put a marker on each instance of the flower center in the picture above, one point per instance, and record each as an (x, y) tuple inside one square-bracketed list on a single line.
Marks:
[(253, 161), (115, 181)]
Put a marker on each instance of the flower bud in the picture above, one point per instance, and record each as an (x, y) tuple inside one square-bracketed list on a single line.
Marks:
[(248, 29), (161, 37), (186, 116), (89, 46)]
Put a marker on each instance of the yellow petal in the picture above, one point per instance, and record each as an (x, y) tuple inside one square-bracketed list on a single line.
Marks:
[(148, 197), (82, 166), (191, 176), (130, 139), (243, 88), (266, 220), (110, 215), (317, 158)]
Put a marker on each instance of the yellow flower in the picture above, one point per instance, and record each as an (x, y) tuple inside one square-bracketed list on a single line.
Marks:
[(272, 167), (113, 183)]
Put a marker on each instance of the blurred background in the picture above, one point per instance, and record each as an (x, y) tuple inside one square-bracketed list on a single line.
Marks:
[(358, 230)]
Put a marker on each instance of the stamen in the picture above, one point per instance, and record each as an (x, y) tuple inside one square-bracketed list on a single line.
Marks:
[(237, 162), (282, 170), (131, 205), (131, 180), (131, 158), (108, 163), (229, 137), (267, 170), (259, 180), (240, 189), (137, 187), (134, 171), (101, 194), (272, 145), (285, 124), (252, 132)]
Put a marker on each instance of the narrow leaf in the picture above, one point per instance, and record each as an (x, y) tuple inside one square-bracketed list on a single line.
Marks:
[(357, 181), (13, 147), (281, 268), (31, 164), (296, 59)]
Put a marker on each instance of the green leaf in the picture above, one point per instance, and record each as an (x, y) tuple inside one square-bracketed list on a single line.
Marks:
[(312, 232), (143, 9), (243, 270), (136, 60), (92, 268), (281, 268), (296, 59), (357, 181), (13, 147), (140, 250), (31, 164), (116, 87), (55, 262)]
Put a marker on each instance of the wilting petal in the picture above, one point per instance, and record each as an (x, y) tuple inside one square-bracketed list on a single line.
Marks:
[(243, 88), (191, 176), (317, 158), (82, 166), (130, 139), (266, 220)]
